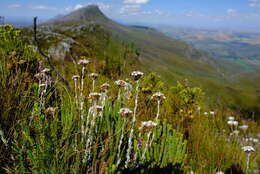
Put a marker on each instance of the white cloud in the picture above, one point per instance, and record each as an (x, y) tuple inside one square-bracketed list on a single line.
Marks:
[(42, 7), (78, 6), (130, 10), (231, 10), (73, 8), (136, 1), (14, 6), (102, 6), (133, 7), (256, 5)]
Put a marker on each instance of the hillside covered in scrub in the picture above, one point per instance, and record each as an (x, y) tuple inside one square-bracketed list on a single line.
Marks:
[(89, 32), (83, 94)]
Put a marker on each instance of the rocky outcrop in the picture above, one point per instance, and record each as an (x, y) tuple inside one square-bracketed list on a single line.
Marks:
[(60, 50)]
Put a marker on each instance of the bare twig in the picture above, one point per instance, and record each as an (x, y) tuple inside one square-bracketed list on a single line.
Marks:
[(46, 56)]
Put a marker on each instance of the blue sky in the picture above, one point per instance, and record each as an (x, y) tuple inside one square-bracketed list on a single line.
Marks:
[(196, 13)]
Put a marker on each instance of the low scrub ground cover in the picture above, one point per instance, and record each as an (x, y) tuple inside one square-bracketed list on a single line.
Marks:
[(132, 124)]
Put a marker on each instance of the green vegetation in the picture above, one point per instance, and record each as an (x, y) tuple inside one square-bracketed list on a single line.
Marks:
[(46, 128)]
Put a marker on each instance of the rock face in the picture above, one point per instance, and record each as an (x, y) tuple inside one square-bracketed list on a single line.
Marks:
[(60, 50)]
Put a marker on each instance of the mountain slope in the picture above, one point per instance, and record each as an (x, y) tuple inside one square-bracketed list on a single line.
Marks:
[(173, 60), (155, 47)]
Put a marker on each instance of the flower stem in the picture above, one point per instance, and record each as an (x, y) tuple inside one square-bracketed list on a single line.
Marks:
[(120, 144), (147, 143), (132, 127)]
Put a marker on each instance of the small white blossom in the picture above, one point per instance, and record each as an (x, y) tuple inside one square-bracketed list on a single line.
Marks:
[(51, 110), (244, 127), (137, 75), (158, 96), (148, 124), (104, 87), (75, 77), (121, 83), (94, 96), (248, 149), (94, 76), (255, 140), (40, 75), (232, 123), (42, 85), (83, 62), (235, 132), (235, 123), (97, 108), (231, 118), (220, 172), (45, 70), (211, 112), (125, 112)]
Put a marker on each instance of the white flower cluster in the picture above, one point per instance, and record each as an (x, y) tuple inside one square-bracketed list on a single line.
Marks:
[(125, 112), (83, 62), (137, 75), (94, 76), (104, 87), (121, 83), (75, 77), (94, 96), (248, 149), (244, 127), (148, 124), (158, 96), (232, 123)]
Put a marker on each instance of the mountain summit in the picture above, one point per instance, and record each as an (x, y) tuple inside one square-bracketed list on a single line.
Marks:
[(88, 14)]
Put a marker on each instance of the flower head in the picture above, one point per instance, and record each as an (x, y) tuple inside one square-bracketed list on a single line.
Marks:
[(51, 110), (98, 108), (83, 62), (94, 76), (220, 172), (75, 77), (125, 112), (235, 123), (46, 70), (244, 127), (137, 75), (248, 149), (104, 87), (121, 83), (158, 96), (94, 96), (40, 75), (232, 123), (212, 113), (255, 140), (231, 118), (235, 132), (148, 125), (43, 85)]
